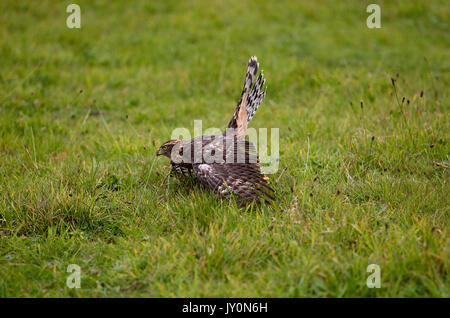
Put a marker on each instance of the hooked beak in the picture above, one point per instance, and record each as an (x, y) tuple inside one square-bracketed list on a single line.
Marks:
[(159, 153)]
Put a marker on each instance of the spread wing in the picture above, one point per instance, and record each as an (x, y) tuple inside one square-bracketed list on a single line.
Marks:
[(242, 179), (241, 175), (251, 97)]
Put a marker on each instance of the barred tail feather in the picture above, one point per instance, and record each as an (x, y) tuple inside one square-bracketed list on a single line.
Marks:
[(256, 97), (251, 97)]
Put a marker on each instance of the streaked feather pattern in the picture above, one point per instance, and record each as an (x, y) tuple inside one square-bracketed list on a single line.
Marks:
[(251, 96), (235, 168)]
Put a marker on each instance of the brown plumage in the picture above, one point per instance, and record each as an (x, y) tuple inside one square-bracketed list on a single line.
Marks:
[(227, 163)]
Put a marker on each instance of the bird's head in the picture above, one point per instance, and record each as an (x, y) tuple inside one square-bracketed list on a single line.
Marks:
[(166, 148)]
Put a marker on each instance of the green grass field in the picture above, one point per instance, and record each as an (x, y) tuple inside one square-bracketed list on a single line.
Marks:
[(83, 111)]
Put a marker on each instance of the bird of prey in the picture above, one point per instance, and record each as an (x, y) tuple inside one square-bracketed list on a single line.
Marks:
[(227, 163)]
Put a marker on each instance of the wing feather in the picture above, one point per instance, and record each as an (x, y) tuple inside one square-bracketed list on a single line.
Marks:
[(239, 179), (251, 96), (242, 179)]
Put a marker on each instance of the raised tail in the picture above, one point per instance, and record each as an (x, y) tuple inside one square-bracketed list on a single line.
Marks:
[(251, 97)]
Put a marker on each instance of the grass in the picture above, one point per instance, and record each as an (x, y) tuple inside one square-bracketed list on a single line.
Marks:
[(83, 111)]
